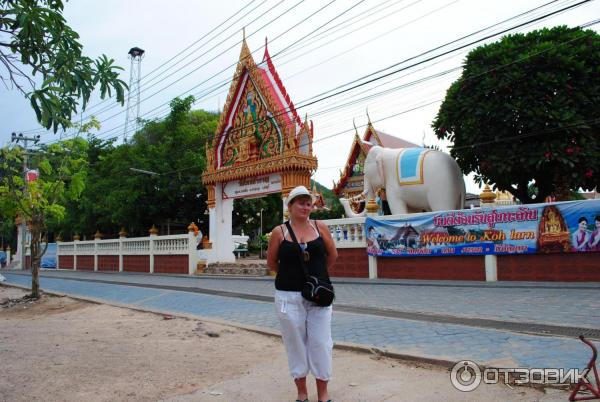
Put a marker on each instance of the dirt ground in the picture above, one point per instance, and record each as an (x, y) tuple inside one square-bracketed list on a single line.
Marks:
[(61, 349)]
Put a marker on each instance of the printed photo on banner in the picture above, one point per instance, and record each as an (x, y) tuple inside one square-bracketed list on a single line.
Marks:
[(560, 227)]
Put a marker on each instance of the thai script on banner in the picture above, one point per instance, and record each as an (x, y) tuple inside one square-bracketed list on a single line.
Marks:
[(572, 226), (252, 187), (490, 218)]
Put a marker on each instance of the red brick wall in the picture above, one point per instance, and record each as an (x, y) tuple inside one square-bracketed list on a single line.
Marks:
[(85, 262), (136, 263), (351, 262), (171, 264), (108, 263), (65, 261), (467, 268), (549, 267)]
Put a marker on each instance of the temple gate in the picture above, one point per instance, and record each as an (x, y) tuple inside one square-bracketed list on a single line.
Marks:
[(260, 146)]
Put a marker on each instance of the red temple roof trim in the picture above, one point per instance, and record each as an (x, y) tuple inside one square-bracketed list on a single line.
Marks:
[(267, 66), (371, 137)]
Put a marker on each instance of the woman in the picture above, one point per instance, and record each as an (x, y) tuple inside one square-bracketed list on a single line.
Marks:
[(305, 327), (580, 237), (594, 242)]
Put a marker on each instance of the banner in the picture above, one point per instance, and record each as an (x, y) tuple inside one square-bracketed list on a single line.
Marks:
[(252, 187), (572, 226)]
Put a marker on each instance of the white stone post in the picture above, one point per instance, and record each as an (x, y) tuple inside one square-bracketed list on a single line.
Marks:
[(491, 268), (75, 241), (153, 234), (8, 255), (18, 253), (122, 235), (97, 238), (57, 253), (372, 210), (210, 254), (192, 253), (221, 230)]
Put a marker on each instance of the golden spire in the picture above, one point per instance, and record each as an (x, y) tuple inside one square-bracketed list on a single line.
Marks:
[(355, 129), (487, 196), (368, 117)]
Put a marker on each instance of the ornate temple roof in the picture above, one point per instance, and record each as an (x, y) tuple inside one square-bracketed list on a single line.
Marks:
[(259, 131), (371, 137)]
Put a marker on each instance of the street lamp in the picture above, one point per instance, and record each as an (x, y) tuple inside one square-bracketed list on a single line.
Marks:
[(260, 236), (144, 171)]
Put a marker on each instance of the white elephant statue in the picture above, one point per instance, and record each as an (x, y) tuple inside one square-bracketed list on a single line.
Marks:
[(415, 180)]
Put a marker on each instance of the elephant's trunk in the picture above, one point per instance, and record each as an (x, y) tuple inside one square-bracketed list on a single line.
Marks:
[(348, 209)]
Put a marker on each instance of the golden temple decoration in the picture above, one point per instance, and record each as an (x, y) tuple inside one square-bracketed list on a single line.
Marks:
[(487, 196), (372, 206), (259, 132), (211, 202)]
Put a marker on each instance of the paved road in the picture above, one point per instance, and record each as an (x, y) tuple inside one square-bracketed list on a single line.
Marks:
[(564, 304), (412, 337)]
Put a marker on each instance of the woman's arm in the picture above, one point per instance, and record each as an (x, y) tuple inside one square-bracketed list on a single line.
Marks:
[(330, 248), (273, 248)]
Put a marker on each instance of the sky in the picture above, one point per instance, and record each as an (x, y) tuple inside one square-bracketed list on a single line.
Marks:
[(319, 48)]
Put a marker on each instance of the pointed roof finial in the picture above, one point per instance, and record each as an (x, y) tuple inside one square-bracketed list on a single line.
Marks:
[(355, 129), (368, 117), (244, 33)]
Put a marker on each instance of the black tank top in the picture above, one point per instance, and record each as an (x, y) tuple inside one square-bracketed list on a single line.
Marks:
[(290, 275)]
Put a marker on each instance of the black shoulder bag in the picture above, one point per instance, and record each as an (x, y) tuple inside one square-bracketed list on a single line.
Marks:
[(315, 289)]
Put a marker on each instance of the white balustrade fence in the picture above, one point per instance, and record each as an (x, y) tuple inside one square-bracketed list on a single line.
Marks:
[(184, 244), (348, 232)]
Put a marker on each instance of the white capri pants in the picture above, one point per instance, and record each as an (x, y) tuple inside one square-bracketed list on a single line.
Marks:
[(306, 332)]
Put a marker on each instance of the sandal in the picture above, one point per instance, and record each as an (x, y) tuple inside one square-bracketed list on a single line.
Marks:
[(306, 400)]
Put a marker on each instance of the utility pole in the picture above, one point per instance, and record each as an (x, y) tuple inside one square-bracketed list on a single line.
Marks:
[(18, 138)]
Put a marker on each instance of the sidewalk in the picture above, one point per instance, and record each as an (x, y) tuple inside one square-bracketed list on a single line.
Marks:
[(421, 339), (547, 303)]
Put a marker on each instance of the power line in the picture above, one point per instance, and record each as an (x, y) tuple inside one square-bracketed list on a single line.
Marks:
[(197, 58), (182, 51), (520, 25)]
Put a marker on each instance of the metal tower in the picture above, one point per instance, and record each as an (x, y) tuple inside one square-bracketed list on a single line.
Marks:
[(131, 117)]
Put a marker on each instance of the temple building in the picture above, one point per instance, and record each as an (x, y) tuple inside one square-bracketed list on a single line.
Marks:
[(261, 146), (351, 178)]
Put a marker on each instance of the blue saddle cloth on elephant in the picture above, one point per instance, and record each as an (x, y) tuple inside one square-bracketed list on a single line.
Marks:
[(409, 165)]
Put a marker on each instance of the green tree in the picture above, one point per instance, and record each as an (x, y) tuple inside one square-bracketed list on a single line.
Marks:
[(335, 209), (62, 168), (114, 194), (37, 42), (525, 111)]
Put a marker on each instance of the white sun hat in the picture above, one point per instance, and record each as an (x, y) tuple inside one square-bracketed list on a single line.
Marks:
[(296, 192)]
